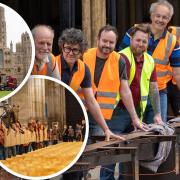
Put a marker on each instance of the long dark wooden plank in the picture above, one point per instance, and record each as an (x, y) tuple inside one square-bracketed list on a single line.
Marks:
[(133, 135)]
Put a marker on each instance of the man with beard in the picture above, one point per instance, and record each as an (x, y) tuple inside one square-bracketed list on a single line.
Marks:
[(141, 72), (109, 79), (164, 49), (45, 63)]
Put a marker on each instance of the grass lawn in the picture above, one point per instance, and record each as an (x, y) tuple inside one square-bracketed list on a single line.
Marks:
[(4, 93)]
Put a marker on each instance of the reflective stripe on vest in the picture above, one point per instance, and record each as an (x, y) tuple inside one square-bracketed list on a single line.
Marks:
[(147, 69), (109, 82), (162, 74), (161, 56), (144, 98), (106, 94), (106, 106), (78, 76), (165, 61)]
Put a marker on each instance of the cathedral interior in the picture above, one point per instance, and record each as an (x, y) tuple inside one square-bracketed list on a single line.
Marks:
[(41, 108), (45, 100)]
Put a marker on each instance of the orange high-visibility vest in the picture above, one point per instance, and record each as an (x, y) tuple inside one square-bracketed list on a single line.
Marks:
[(109, 83), (161, 56), (78, 76), (47, 69), (175, 31)]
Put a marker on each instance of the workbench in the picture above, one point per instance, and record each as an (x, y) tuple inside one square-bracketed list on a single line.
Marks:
[(137, 146)]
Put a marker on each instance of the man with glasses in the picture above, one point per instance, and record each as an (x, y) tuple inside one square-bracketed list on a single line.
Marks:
[(164, 49), (45, 63), (76, 74)]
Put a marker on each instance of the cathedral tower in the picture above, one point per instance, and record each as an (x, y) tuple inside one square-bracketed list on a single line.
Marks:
[(2, 28)]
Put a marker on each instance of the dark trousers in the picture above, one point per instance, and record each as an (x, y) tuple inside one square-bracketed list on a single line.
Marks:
[(174, 98)]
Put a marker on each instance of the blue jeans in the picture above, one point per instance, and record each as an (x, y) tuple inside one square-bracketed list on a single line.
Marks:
[(163, 103), (17, 149), (149, 113), (6, 152), (9, 151), (94, 128), (13, 150), (30, 147), (2, 152), (174, 98), (119, 123), (115, 125)]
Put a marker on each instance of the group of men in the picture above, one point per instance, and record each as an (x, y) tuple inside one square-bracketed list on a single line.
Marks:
[(71, 134), (120, 89), (17, 139)]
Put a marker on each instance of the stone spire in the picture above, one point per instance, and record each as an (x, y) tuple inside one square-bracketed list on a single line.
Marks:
[(2, 28), (11, 46)]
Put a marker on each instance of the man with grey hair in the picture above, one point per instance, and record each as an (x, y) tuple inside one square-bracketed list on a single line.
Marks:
[(162, 3), (70, 57), (45, 63), (165, 50)]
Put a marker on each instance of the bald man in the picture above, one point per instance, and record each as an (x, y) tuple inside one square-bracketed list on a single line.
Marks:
[(45, 63)]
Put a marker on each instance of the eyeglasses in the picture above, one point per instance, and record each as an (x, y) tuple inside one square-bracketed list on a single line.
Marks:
[(74, 50)]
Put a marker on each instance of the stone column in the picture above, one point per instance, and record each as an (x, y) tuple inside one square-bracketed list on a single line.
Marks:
[(55, 100), (31, 97), (21, 99), (3, 35), (36, 95), (39, 95)]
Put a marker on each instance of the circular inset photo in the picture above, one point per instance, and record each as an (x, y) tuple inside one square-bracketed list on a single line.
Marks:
[(44, 129), (16, 52)]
